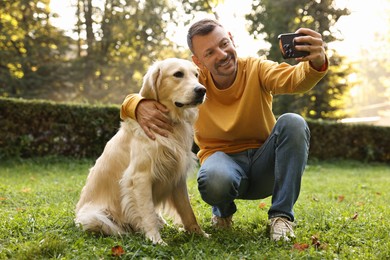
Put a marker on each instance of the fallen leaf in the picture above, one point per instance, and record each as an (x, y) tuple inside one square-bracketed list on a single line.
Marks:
[(340, 198), (262, 205), (355, 216), (315, 241), (117, 251), (300, 247), (1, 198)]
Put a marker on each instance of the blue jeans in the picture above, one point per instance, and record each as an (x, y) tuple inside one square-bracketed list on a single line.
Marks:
[(275, 169)]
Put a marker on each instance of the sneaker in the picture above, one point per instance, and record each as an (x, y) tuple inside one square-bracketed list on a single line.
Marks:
[(281, 229), (222, 223)]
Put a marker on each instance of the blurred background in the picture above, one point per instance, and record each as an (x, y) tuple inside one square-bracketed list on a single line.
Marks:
[(96, 51)]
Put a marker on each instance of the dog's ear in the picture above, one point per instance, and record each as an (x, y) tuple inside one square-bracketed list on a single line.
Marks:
[(151, 82)]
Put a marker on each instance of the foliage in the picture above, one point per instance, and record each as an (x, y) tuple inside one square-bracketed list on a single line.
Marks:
[(341, 214), (375, 69), (39, 128), (123, 38), (31, 49), (130, 36), (207, 6), (326, 100), (330, 140)]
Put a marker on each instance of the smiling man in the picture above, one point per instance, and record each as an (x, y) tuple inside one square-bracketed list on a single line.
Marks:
[(244, 152)]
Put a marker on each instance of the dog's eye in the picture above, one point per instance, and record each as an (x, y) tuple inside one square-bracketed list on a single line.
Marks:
[(178, 74), (197, 75)]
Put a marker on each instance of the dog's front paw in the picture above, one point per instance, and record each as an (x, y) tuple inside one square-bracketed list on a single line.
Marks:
[(197, 230), (159, 242), (204, 234), (155, 238)]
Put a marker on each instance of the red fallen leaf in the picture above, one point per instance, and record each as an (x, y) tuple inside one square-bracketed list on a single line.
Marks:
[(262, 205), (340, 198), (315, 241), (300, 247), (355, 216), (117, 251)]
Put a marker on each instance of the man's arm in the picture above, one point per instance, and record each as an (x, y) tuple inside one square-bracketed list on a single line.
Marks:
[(150, 115), (286, 79)]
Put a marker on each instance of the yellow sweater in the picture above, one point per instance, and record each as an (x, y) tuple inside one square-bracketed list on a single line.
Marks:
[(240, 117)]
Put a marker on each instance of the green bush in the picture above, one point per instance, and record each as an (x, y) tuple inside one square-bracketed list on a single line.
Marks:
[(331, 140), (38, 128)]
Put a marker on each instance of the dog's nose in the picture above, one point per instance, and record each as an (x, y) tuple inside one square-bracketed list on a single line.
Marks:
[(200, 90)]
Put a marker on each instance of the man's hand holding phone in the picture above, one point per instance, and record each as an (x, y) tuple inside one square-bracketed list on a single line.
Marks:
[(303, 45)]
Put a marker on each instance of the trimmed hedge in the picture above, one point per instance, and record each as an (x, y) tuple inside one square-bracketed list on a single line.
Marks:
[(39, 128), (330, 140)]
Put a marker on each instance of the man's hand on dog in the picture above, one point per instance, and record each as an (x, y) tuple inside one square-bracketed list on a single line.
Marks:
[(152, 117)]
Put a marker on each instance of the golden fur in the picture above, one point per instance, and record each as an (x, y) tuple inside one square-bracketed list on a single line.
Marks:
[(135, 175)]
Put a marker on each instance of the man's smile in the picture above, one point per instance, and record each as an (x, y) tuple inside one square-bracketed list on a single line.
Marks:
[(225, 62)]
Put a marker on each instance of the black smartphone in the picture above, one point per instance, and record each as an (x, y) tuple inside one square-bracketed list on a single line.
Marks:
[(287, 45)]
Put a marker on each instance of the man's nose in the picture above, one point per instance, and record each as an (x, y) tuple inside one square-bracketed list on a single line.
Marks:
[(221, 53)]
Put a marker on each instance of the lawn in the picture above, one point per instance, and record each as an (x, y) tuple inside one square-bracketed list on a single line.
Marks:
[(343, 212)]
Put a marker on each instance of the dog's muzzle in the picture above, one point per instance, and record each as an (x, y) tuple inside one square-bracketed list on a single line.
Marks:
[(200, 92), (199, 95)]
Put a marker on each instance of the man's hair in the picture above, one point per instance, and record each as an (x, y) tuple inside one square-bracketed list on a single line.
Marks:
[(202, 27)]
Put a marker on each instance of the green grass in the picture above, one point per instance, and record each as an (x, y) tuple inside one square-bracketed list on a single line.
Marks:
[(343, 213)]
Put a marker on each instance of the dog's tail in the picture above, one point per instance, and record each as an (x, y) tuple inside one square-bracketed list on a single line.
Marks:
[(95, 219)]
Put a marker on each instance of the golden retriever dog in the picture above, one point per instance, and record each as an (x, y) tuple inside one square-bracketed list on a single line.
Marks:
[(136, 177)]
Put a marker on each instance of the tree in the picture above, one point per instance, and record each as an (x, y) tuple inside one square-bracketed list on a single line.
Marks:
[(128, 36), (208, 6), (371, 94), (272, 17), (31, 50), (116, 40)]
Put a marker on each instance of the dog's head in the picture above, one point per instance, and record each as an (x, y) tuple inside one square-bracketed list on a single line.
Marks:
[(174, 83)]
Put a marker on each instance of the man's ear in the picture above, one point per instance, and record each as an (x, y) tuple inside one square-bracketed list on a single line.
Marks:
[(231, 38), (151, 82), (197, 62)]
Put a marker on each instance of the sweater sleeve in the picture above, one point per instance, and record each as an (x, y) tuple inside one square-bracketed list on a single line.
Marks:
[(286, 79), (129, 106)]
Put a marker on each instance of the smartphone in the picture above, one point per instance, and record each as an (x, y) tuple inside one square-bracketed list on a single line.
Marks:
[(287, 45)]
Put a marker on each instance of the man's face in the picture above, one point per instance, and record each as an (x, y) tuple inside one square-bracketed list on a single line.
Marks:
[(216, 52)]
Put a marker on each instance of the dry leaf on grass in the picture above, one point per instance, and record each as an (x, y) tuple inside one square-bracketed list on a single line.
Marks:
[(117, 251), (315, 241), (262, 205), (300, 246), (340, 198)]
